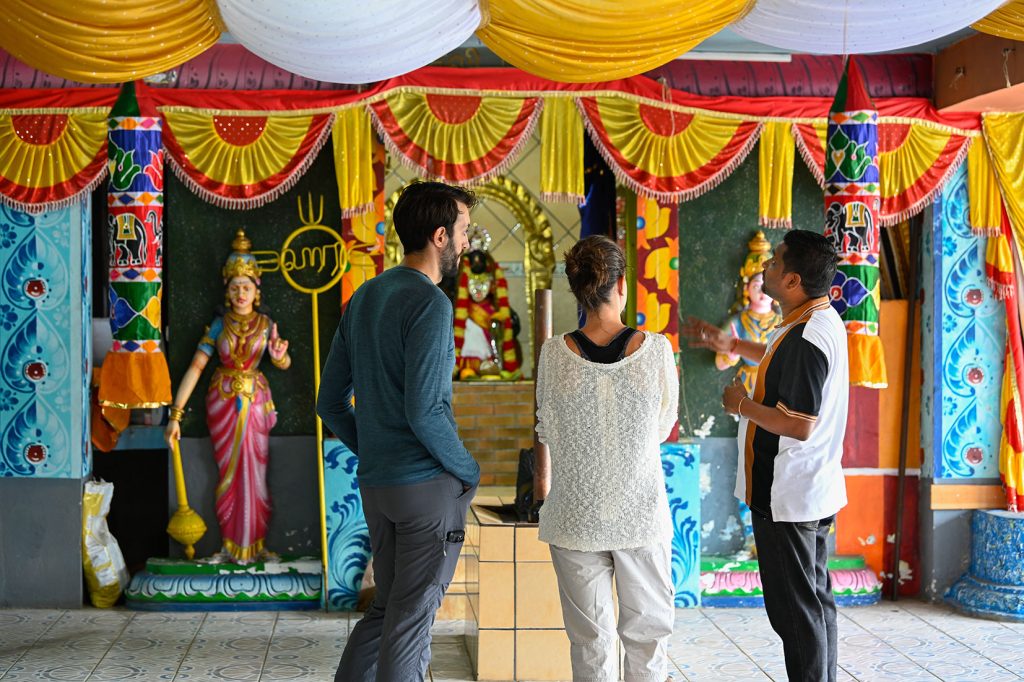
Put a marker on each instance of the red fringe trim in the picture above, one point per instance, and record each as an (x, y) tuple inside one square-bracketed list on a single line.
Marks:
[(805, 153), (57, 204)]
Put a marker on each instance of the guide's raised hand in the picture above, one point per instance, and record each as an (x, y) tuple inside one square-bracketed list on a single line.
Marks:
[(706, 335)]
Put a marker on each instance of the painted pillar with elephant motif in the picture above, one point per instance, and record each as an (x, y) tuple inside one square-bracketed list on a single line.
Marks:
[(852, 208), (134, 373)]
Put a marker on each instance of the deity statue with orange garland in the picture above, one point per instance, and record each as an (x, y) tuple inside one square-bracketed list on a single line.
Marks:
[(485, 346)]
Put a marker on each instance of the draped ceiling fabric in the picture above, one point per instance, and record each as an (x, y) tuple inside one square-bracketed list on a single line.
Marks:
[(666, 154), (350, 41), (1005, 22), (830, 27), (48, 160), (461, 138), (96, 41), (584, 41), (572, 41), (240, 159), (916, 159)]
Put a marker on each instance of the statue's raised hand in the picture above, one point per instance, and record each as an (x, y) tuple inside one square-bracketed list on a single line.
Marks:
[(277, 347)]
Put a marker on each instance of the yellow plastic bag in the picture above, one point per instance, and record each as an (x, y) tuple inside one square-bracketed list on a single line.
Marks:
[(105, 573)]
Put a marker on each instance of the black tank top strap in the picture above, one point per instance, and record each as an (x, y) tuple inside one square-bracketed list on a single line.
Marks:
[(626, 336), (614, 351)]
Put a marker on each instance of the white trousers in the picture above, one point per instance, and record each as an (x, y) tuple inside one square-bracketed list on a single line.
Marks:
[(643, 581)]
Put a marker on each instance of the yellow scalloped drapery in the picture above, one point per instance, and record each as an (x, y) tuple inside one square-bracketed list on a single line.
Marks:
[(1005, 22), (561, 147), (242, 161), (914, 160), (96, 41), (666, 154), (353, 141), (585, 41), (48, 160), (460, 138), (775, 153)]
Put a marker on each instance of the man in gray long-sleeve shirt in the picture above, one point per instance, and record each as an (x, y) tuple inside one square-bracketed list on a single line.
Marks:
[(394, 350)]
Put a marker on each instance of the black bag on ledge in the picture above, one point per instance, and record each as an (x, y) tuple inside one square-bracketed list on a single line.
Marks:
[(524, 487)]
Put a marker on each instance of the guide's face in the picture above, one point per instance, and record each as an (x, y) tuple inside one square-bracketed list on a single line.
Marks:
[(773, 273), (457, 244), (241, 293)]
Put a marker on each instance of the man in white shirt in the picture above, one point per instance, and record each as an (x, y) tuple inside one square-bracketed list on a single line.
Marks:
[(791, 446)]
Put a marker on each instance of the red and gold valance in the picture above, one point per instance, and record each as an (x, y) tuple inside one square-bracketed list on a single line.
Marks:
[(666, 154), (47, 160), (461, 138), (242, 160), (915, 160)]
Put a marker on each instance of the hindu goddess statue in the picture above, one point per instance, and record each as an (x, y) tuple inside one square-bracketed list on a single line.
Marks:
[(753, 314), (485, 346), (239, 410)]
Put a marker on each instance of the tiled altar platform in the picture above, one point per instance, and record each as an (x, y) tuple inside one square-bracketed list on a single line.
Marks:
[(906, 641)]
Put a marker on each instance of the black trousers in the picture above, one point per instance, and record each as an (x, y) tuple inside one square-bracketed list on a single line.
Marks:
[(793, 561), (414, 558)]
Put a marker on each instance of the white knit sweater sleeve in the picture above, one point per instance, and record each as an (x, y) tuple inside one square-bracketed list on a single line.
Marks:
[(669, 390), (543, 380)]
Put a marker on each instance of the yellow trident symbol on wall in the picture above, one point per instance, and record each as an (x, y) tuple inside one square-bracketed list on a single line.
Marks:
[(304, 258)]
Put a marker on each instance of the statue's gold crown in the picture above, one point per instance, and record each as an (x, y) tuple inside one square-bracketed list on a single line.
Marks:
[(760, 250), (241, 263)]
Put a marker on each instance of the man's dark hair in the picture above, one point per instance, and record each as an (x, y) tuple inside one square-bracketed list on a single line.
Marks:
[(425, 206), (813, 257)]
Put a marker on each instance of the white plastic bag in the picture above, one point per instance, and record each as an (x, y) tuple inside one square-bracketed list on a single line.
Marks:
[(105, 573)]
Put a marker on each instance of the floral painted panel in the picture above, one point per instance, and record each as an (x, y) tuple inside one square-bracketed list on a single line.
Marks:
[(681, 465), (967, 330), (44, 351), (348, 539)]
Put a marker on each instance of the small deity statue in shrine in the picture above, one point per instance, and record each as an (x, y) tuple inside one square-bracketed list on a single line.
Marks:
[(485, 346), (754, 315), (239, 410)]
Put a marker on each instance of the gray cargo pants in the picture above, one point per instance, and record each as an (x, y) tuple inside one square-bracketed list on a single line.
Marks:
[(643, 583), (415, 536)]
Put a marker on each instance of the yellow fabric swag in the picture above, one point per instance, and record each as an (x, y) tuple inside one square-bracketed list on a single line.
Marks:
[(96, 41), (775, 175), (1005, 22), (586, 41), (561, 147), (353, 160), (982, 191), (1003, 133)]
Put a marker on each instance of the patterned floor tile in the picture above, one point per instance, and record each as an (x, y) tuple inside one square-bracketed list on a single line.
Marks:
[(905, 641)]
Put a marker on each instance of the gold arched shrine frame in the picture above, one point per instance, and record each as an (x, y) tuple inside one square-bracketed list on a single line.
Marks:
[(539, 253)]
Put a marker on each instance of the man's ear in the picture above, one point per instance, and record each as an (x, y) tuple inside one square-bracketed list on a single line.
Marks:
[(439, 237), (793, 280)]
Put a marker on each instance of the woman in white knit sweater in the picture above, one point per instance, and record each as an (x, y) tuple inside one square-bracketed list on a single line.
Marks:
[(607, 396)]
